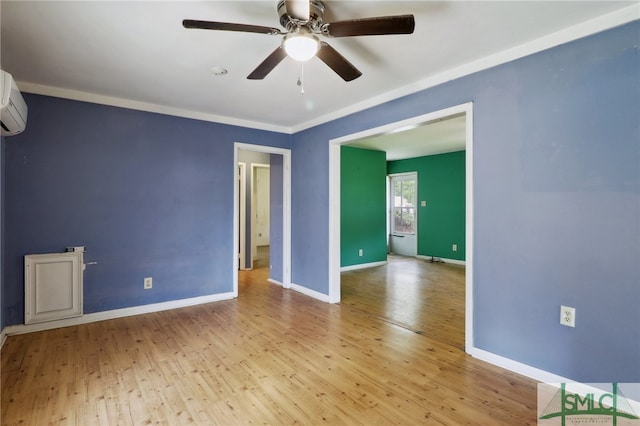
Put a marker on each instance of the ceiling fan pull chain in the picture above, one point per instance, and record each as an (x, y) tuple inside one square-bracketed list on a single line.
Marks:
[(301, 78)]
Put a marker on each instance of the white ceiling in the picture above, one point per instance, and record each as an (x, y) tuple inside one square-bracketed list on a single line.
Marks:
[(435, 137), (137, 54)]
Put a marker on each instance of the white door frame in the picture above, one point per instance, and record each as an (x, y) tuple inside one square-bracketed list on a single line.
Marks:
[(334, 202), (286, 210), (242, 214)]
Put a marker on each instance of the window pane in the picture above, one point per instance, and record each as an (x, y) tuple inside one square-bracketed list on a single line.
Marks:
[(403, 220), (409, 193), (408, 220), (397, 219)]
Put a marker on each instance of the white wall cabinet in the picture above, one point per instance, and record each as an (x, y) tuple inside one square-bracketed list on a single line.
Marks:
[(53, 286)]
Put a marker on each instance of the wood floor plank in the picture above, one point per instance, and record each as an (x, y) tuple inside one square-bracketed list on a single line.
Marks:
[(271, 356)]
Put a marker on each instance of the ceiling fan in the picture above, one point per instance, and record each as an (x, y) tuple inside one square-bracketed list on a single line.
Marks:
[(302, 21)]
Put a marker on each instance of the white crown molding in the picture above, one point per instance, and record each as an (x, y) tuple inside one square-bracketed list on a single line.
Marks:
[(584, 29), (592, 26), (76, 95)]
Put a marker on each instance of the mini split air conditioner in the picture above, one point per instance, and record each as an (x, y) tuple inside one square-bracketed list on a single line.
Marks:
[(13, 109)]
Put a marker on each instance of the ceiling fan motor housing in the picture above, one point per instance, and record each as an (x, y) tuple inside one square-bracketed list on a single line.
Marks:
[(316, 12)]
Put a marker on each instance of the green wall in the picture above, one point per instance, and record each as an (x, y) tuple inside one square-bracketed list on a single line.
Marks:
[(441, 183), (362, 206)]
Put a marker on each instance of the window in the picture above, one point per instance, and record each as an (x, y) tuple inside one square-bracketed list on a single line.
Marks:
[(403, 204)]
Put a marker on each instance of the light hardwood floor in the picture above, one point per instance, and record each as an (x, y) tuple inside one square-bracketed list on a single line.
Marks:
[(424, 297), (271, 356)]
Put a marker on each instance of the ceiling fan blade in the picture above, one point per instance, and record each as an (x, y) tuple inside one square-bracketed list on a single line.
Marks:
[(268, 64), (298, 9), (228, 26), (337, 62), (401, 24)]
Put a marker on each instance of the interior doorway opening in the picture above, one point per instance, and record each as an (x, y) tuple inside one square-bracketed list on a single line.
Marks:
[(466, 112), (262, 212), (255, 209)]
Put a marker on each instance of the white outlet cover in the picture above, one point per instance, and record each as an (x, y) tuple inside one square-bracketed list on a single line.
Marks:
[(568, 316)]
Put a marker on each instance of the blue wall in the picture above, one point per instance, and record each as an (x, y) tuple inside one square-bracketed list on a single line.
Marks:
[(557, 203), (147, 194)]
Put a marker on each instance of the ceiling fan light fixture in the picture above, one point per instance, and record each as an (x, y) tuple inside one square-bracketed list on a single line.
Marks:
[(301, 46)]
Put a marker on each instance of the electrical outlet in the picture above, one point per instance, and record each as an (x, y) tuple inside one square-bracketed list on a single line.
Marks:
[(454, 247), (148, 283), (360, 252), (568, 316)]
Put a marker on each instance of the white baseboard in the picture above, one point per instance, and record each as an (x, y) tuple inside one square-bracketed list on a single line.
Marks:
[(311, 293), (517, 367), (115, 313), (384, 262), (481, 354), (362, 266), (271, 280), (444, 259)]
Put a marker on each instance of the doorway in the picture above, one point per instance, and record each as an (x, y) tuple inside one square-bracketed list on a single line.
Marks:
[(465, 110), (280, 240), (402, 215), (254, 179)]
